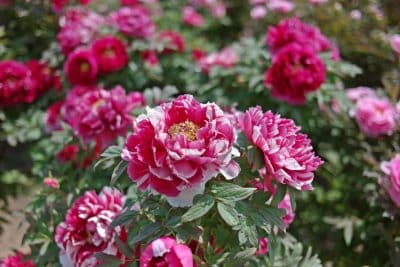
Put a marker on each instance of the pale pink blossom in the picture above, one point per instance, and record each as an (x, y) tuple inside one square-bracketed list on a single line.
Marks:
[(357, 93), (191, 17), (281, 6), (258, 12), (51, 182), (133, 21), (391, 180)]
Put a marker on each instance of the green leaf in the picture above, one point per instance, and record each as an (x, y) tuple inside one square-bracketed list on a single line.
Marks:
[(247, 233), (229, 192), (292, 196), (111, 152), (121, 167), (124, 248), (348, 233), (228, 214), (279, 195), (107, 260), (256, 158), (200, 208), (273, 215), (124, 219), (146, 232)]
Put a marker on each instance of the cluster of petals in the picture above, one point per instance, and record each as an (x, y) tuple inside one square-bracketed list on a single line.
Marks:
[(285, 204), (260, 8), (262, 246), (178, 146), (85, 230), (133, 21), (24, 83), (391, 181), (357, 93), (296, 70), (79, 27), (226, 58), (288, 154), (51, 182), (375, 116), (293, 30), (216, 7), (107, 54), (58, 5), (165, 251), (191, 17), (16, 260), (173, 40)]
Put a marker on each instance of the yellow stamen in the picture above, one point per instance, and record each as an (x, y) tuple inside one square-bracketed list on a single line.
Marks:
[(186, 128)]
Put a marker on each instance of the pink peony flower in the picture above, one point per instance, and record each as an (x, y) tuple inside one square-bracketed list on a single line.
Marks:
[(16, 84), (43, 77), (262, 246), (226, 58), (281, 6), (173, 40), (191, 17), (391, 181), (288, 155), (395, 43), (356, 93), (81, 67), (375, 116), (165, 251), (133, 21), (293, 30), (295, 71), (258, 12), (68, 154), (356, 14), (58, 5), (16, 261), (86, 231), (317, 2), (51, 182), (150, 57), (287, 206), (52, 118), (129, 2), (178, 146), (110, 53), (103, 115)]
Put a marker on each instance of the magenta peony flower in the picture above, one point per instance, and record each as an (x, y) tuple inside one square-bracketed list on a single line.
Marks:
[(357, 93), (150, 57), (51, 182), (16, 84), (173, 40), (86, 231), (295, 71), (16, 261), (391, 182), (375, 116), (43, 77), (395, 43), (52, 118), (178, 146), (293, 30), (287, 206), (165, 251), (110, 53), (102, 115), (68, 154), (288, 155), (129, 2), (81, 67), (262, 246), (281, 6), (191, 17), (133, 21)]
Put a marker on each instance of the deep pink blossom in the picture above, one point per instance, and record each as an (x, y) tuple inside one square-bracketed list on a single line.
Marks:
[(150, 57), (52, 118), (178, 146), (51, 182), (68, 154), (81, 67), (295, 71), (391, 181), (293, 30), (85, 230), (395, 43), (43, 77), (287, 206), (375, 117), (288, 155), (173, 40), (110, 53), (317, 2), (133, 21), (16, 260), (262, 246), (191, 17), (129, 2), (165, 251)]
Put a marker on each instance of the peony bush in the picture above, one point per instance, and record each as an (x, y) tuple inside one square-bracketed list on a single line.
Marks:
[(201, 133)]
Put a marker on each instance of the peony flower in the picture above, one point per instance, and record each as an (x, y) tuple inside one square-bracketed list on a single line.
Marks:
[(129, 2), (85, 230), (281, 6), (226, 58), (191, 17), (356, 14), (295, 71), (81, 67), (52, 118), (262, 246), (375, 116), (287, 206), (16, 84), (103, 115), (110, 53), (58, 5), (150, 57), (173, 40), (178, 146), (391, 181), (51, 182), (165, 251), (258, 12), (288, 155), (16, 261), (395, 43), (68, 154), (317, 2), (133, 21), (293, 30), (43, 77), (357, 93)]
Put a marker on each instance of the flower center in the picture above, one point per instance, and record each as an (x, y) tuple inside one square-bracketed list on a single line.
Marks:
[(85, 67), (109, 53), (98, 103), (186, 128)]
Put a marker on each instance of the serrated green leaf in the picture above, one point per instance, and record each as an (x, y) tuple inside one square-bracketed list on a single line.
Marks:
[(229, 192), (118, 170), (200, 208), (273, 215), (228, 214), (279, 195)]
